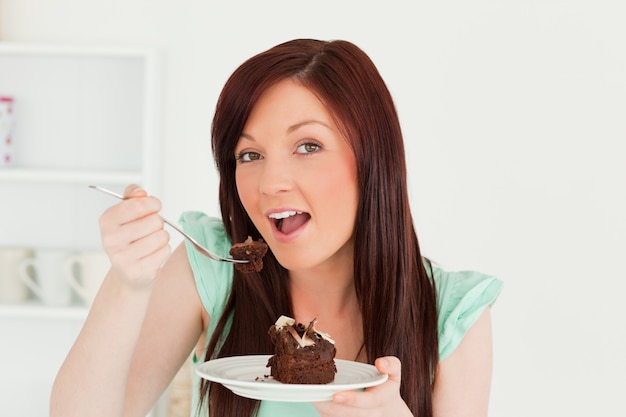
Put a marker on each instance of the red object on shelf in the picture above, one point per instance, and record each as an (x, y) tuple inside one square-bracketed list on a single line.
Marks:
[(7, 122)]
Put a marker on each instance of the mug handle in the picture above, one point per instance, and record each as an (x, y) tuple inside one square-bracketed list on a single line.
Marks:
[(72, 279), (27, 277)]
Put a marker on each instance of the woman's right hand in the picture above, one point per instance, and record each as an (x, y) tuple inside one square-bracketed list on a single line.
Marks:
[(134, 238)]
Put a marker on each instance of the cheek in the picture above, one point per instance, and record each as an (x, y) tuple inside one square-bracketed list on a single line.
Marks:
[(341, 187), (245, 189), (340, 192)]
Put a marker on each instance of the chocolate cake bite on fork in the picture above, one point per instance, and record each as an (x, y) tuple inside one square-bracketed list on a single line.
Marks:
[(250, 250)]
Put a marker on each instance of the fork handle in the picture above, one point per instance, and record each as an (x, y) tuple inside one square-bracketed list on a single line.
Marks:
[(121, 197)]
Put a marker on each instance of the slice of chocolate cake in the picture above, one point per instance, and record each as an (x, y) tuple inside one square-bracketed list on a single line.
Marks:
[(251, 250), (303, 355)]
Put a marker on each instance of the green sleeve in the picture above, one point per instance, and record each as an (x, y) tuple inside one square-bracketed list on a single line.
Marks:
[(462, 296), (213, 279)]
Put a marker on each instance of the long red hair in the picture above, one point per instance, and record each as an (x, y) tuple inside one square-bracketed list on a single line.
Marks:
[(397, 298)]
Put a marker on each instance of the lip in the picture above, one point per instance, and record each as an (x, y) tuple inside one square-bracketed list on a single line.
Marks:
[(277, 234)]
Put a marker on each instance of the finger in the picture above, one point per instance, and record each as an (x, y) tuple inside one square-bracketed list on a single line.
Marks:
[(150, 257), (136, 203), (117, 237), (355, 403), (129, 210), (391, 366), (380, 400), (374, 396), (133, 190), (142, 227), (140, 260), (371, 398), (147, 245)]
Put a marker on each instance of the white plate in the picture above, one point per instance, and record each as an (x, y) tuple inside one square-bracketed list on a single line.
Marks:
[(249, 377)]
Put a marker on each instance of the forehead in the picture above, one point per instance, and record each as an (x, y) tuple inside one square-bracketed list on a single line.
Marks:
[(288, 103)]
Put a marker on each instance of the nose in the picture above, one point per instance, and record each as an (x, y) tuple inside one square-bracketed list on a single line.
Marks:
[(276, 177)]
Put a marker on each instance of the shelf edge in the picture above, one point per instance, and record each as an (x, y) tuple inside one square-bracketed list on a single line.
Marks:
[(41, 312), (69, 176)]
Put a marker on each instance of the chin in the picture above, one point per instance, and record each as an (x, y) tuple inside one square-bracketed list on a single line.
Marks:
[(295, 263)]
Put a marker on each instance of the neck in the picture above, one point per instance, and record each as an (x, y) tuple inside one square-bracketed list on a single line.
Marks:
[(325, 293)]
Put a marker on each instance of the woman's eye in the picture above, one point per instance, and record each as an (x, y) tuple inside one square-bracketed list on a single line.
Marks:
[(248, 157), (307, 148)]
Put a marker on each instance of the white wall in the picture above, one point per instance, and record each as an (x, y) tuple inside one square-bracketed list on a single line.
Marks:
[(514, 119)]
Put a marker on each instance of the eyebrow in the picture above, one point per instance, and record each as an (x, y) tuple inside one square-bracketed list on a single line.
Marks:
[(293, 128), (307, 122)]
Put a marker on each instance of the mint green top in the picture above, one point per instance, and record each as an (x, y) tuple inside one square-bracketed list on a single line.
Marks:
[(461, 298)]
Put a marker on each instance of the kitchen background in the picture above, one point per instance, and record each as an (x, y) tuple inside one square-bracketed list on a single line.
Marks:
[(513, 113)]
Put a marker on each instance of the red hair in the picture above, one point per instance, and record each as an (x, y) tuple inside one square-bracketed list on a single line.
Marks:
[(397, 298)]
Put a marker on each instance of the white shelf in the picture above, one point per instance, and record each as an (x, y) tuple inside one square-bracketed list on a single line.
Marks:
[(32, 310), (82, 113), (70, 176), (83, 116)]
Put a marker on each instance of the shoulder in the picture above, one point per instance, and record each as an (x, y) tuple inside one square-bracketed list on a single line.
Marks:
[(463, 379), (462, 297), (213, 279), (208, 231), (205, 227)]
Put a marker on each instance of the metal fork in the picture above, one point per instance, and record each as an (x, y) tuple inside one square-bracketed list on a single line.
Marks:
[(195, 244)]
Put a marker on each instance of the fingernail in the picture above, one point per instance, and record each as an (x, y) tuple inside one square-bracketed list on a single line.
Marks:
[(339, 398)]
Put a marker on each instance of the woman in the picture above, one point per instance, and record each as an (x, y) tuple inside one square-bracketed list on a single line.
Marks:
[(310, 154)]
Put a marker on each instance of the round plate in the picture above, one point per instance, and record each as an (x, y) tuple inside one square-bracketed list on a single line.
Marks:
[(249, 377)]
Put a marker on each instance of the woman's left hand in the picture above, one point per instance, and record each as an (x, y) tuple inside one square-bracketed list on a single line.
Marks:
[(380, 401)]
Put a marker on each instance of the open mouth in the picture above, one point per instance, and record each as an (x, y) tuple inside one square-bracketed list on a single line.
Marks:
[(288, 221)]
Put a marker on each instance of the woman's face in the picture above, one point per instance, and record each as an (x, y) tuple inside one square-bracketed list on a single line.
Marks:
[(296, 177)]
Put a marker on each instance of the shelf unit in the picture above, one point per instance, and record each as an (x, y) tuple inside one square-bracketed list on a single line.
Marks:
[(84, 115)]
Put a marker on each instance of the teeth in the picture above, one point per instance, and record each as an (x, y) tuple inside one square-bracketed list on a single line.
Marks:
[(284, 214)]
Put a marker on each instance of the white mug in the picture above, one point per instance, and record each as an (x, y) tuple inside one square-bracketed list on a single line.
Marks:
[(85, 272), (12, 288), (43, 274)]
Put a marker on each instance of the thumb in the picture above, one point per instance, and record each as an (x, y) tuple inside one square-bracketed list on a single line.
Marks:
[(391, 366), (134, 190)]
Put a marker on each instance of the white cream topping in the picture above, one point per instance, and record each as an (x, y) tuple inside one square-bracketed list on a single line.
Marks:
[(284, 321), (304, 340), (324, 336)]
